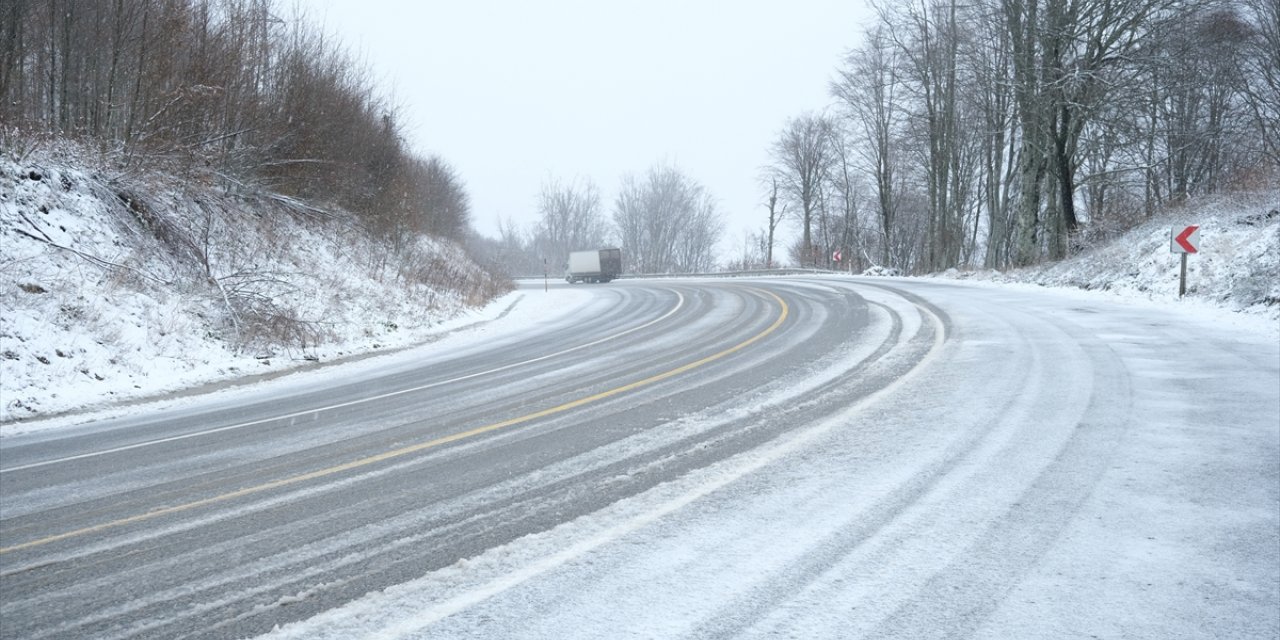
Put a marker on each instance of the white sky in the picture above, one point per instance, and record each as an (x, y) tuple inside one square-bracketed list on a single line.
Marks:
[(512, 93)]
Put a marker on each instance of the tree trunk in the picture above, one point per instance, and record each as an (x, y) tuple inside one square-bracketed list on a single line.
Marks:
[(136, 102)]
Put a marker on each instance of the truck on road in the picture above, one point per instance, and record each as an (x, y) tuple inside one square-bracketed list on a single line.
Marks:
[(600, 265)]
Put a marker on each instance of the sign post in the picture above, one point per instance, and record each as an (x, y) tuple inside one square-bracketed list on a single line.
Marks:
[(1184, 241)]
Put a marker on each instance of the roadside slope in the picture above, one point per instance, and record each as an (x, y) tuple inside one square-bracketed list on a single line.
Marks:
[(1237, 266), (119, 285)]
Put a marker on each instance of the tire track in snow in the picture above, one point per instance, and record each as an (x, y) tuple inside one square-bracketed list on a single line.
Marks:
[(1051, 474)]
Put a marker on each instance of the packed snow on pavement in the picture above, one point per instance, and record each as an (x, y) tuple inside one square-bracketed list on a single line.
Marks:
[(1086, 481)]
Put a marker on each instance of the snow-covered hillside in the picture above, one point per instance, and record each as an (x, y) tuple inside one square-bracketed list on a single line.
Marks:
[(119, 285), (1237, 266)]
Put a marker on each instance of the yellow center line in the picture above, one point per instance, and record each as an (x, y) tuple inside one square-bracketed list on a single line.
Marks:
[(407, 450)]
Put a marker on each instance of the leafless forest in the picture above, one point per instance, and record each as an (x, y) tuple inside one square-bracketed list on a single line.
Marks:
[(239, 88), (226, 134), (990, 133), (664, 219), (1002, 133)]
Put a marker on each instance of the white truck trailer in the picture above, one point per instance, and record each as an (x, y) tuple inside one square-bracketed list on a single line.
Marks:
[(600, 265)]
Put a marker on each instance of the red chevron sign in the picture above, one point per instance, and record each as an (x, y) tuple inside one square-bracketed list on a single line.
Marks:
[(1184, 242)]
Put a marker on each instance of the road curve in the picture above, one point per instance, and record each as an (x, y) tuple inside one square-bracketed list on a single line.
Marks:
[(200, 523), (819, 457)]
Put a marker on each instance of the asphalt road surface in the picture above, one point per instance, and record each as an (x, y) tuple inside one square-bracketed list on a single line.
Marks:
[(824, 457)]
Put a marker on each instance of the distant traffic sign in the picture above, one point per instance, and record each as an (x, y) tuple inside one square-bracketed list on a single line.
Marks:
[(1184, 241)]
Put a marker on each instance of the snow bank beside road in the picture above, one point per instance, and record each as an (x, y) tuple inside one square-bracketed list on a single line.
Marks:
[(123, 287), (1237, 267)]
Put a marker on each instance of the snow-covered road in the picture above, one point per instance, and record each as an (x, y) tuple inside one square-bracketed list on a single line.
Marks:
[(798, 457), (1060, 468)]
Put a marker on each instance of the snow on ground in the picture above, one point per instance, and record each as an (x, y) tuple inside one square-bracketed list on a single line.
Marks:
[(77, 333), (115, 287), (446, 339), (100, 305), (1237, 266)]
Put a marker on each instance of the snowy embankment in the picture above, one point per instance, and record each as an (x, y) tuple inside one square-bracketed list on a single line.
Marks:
[(1237, 266), (116, 286)]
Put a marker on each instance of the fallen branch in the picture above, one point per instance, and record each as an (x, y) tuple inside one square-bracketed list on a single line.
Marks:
[(92, 259), (231, 309)]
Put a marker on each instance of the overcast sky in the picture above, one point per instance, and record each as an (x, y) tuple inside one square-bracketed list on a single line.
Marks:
[(513, 93)]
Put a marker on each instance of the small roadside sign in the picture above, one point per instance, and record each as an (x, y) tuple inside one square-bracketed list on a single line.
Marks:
[(1186, 240)]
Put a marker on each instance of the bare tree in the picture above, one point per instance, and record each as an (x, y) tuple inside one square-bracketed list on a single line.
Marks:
[(776, 212), (571, 218), (667, 222), (751, 253), (989, 95), (867, 87), (1197, 68), (438, 204), (845, 196), (927, 35), (1262, 83), (802, 156), (1044, 116), (1067, 59)]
